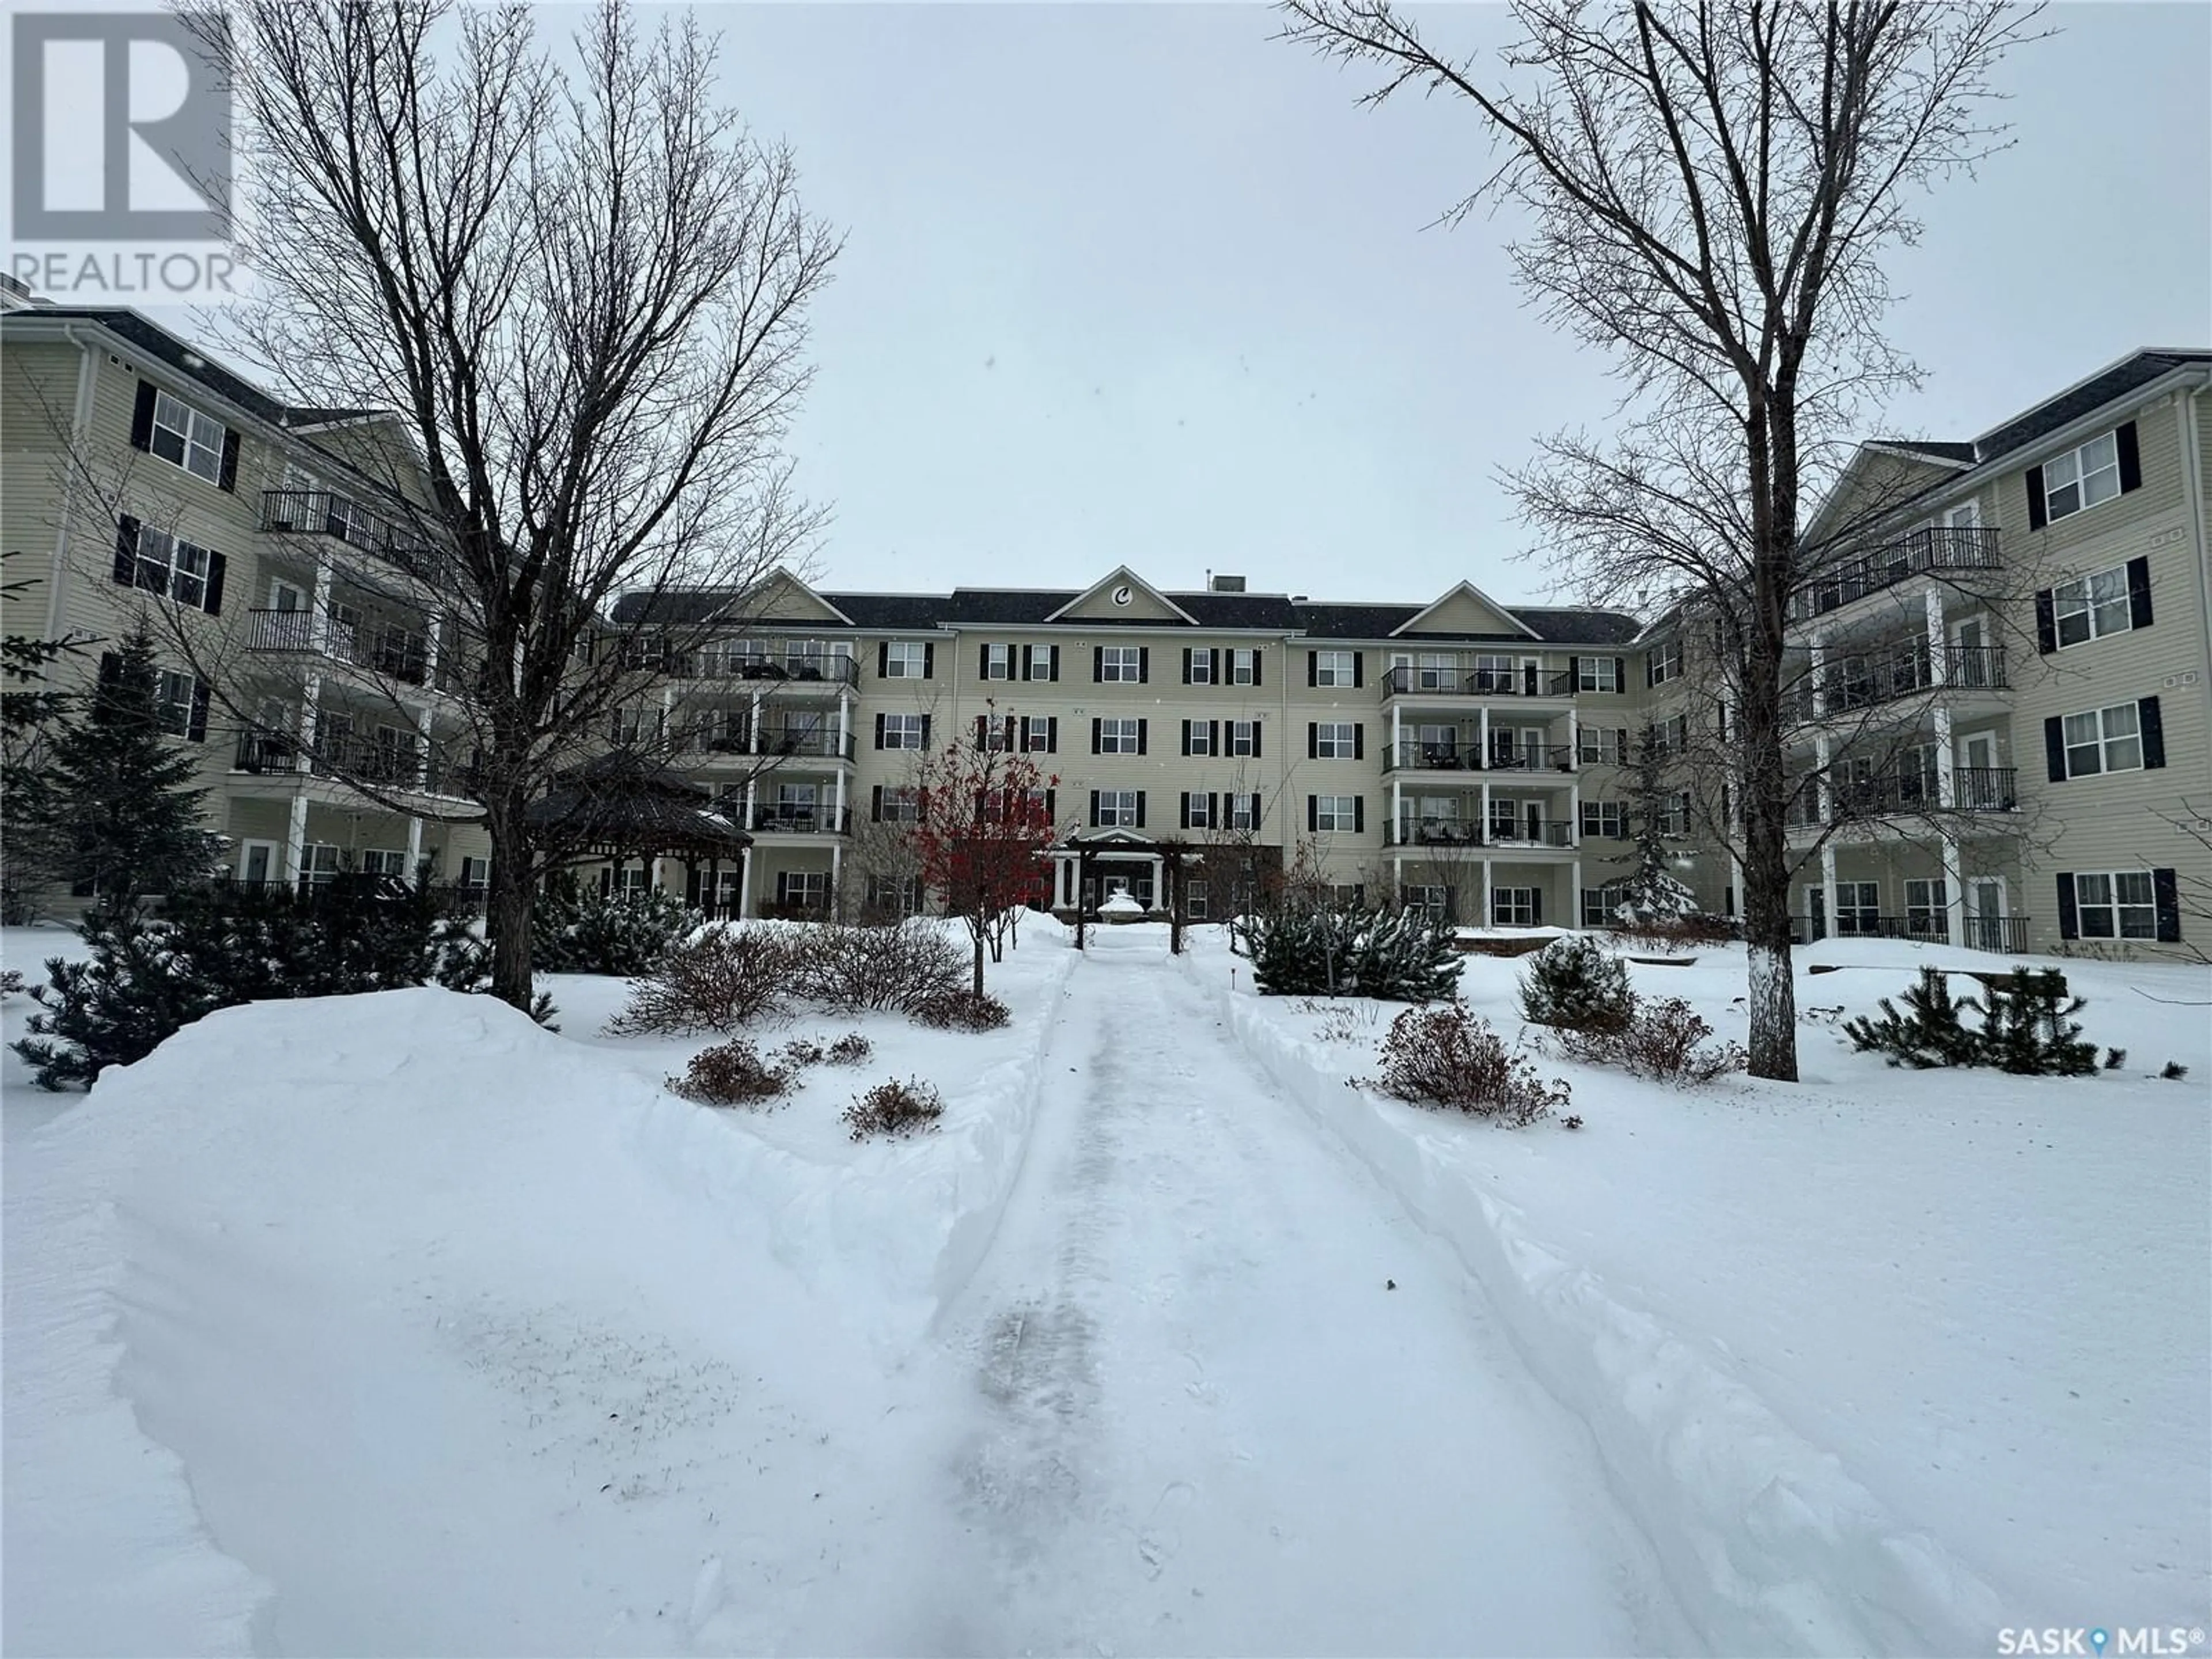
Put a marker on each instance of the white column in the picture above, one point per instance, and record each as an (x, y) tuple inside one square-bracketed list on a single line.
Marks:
[(1397, 734), (837, 799), (415, 851), (311, 697), (1574, 742), (744, 882), (1947, 781), (844, 723), (1482, 733), (1159, 866), (752, 784), (1397, 808), (430, 650), (1398, 875), (319, 619), (1735, 885), (836, 876), (1483, 920), (1954, 893), (295, 838), (422, 748), (1575, 894), (1819, 670), (1938, 666), (1824, 789), (1828, 887), (1485, 831)]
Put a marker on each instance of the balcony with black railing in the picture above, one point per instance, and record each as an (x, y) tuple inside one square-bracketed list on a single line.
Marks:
[(770, 743), (1851, 684), (1411, 755), (349, 757), (390, 649), (1917, 553), (1974, 789), (1522, 681), (801, 671), (1447, 834), (790, 818), (1995, 934), (341, 518)]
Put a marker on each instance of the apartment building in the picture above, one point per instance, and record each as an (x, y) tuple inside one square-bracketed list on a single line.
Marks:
[(2002, 709), (140, 480)]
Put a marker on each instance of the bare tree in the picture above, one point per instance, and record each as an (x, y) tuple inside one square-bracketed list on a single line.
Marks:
[(1711, 192), (582, 292)]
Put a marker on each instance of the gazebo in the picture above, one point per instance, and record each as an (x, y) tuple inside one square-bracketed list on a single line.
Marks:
[(619, 807)]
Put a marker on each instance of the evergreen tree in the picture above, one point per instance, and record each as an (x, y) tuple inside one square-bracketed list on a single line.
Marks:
[(1653, 893), (114, 798), (1928, 1033), (29, 706)]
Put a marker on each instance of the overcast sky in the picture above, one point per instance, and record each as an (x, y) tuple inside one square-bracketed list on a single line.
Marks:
[(1137, 282)]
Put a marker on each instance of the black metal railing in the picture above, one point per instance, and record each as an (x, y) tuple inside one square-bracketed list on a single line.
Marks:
[(1973, 789), (1431, 832), (2005, 934), (827, 671), (328, 513), (1914, 554), (387, 648), (1524, 680), (782, 818), (1531, 832), (1532, 758), (1410, 755), (1859, 682), (349, 758), (801, 744), (1994, 933)]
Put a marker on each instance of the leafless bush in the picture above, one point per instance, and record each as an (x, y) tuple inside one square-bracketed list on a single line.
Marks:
[(962, 1010), (731, 1073), (801, 1051), (1442, 1055), (850, 1050), (1342, 1020), (1665, 1038), (895, 1108), (856, 970), (723, 979)]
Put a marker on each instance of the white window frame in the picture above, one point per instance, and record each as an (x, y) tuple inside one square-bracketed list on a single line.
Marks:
[(179, 568), (1674, 813), (1201, 668), (1242, 739), (1599, 745), (1666, 663), (1336, 815), (1240, 815), (905, 659), (901, 805), (1609, 818), (198, 439), (1929, 912), (2102, 742), (1036, 733), (1594, 673), (1334, 669), (2115, 906), (385, 861), (1117, 808), (2094, 614), (1197, 806), (2091, 470), (1198, 737), (1513, 907), (174, 694), (1600, 905), (1334, 739), (1194, 898), (1000, 661), (1243, 666), (898, 728), (1121, 664), (1850, 900), (811, 886), (475, 871), (1494, 673), (321, 863), (1040, 662), (1119, 736)]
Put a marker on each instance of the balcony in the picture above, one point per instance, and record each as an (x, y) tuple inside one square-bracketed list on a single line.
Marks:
[(1453, 834), (1915, 553), (1889, 794), (389, 649), (350, 758), (807, 670), (1406, 679), (1408, 755), (785, 818), (327, 512), (1996, 933), (1866, 682), (772, 743)]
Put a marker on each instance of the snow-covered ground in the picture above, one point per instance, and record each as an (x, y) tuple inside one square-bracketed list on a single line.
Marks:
[(395, 1325)]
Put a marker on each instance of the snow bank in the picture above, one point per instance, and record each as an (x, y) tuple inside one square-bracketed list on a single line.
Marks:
[(1770, 1546)]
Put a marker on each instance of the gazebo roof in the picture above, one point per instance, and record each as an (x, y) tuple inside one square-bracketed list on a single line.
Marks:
[(619, 803)]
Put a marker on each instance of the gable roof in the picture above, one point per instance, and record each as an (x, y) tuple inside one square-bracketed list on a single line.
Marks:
[(1120, 576), (2084, 398), (1951, 454), (1468, 590)]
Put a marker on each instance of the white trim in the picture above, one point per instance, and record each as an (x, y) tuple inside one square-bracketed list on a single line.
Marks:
[(1120, 574), (1470, 589)]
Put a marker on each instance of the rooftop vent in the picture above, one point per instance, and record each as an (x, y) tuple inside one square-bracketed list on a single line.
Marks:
[(1225, 584)]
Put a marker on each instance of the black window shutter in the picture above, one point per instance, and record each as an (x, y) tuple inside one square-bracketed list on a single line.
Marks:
[(111, 668), (2139, 593), (2165, 889), (1096, 740), (1187, 725), (1255, 809), (1213, 737), (879, 731), (1143, 728), (1183, 803), (1099, 664), (1029, 660), (126, 547), (1052, 734), (1313, 668), (1212, 812), (1213, 665), (1536, 904), (1574, 674), (925, 731), (2154, 733), (1620, 673), (1186, 680), (1256, 729), (1358, 669), (1050, 796), (981, 731), (1143, 665), (876, 804), (1359, 814), (883, 662), (2054, 749), (218, 569), (1313, 813), (1359, 740), (2038, 514), (2070, 916), (1256, 654), (1650, 672), (1313, 740), (2130, 454), (1140, 809), (196, 730), (141, 418), (2046, 621), (982, 662), (1055, 662), (227, 478), (928, 661)]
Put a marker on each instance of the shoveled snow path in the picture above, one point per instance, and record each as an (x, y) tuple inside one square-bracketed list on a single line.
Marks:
[(1205, 1422)]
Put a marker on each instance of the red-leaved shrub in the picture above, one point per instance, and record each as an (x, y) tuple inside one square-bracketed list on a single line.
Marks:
[(895, 1108), (730, 1073), (1442, 1055)]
